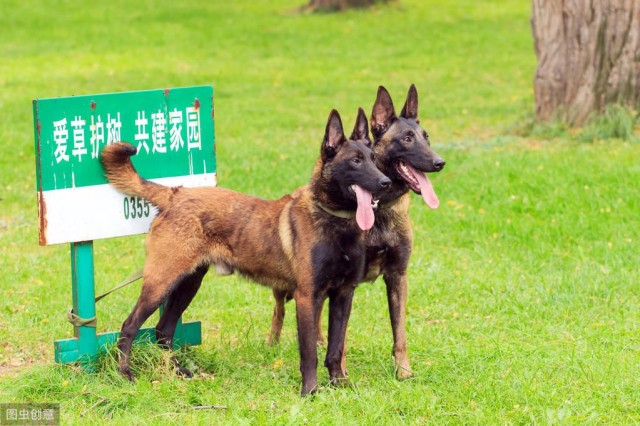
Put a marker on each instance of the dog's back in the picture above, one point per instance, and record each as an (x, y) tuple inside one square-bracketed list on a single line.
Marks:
[(207, 225)]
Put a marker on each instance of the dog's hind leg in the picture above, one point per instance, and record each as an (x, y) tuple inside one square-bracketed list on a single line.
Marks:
[(177, 303), (160, 277), (146, 305), (343, 361), (277, 320), (320, 338)]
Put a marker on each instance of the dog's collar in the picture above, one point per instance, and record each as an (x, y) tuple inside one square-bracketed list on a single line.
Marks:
[(350, 214), (344, 214), (389, 204)]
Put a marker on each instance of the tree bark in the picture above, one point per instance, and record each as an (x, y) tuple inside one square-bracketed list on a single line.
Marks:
[(588, 56), (333, 5)]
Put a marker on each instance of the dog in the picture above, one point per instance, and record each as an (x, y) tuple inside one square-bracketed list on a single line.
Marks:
[(403, 153), (310, 245)]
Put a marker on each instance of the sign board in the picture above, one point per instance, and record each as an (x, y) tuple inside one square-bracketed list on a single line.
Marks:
[(173, 130)]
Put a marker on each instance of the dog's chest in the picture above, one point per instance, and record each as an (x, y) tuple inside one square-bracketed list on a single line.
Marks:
[(380, 244), (375, 260), (339, 262)]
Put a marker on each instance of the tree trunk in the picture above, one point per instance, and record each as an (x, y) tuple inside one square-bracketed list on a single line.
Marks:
[(588, 56), (333, 5)]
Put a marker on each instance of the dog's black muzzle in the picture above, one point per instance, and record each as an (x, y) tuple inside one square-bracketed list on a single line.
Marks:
[(384, 182), (438, 164)]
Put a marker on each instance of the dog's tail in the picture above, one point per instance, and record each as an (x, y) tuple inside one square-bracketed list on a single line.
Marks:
[(116, 161)]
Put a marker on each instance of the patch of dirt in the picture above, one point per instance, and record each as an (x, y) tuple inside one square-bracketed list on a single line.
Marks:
[(13, 370)]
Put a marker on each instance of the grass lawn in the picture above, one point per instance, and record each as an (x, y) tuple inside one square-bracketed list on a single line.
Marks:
[(523, 286)]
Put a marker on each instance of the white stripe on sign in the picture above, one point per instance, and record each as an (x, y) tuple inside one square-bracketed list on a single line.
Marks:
[(95, 212)]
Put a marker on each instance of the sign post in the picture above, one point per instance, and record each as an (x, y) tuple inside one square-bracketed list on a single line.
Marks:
[(173, 130), (83, 292)]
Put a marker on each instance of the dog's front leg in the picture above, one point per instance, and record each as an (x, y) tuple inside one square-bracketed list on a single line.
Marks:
[(307, 333), (340, 300), (397, 298)]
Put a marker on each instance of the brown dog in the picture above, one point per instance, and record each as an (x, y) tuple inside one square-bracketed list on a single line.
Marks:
[(402, 152), (308, 245)]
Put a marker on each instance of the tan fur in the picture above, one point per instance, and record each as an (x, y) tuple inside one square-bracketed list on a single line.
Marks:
[(287, 244)]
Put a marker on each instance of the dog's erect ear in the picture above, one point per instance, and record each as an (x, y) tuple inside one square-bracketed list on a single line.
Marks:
[(383, 113), (333, 136), (410, 108), (361, 129)]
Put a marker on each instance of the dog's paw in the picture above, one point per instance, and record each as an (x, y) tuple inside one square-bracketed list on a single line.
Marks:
[(309, 389), (340, 382), (126, 372), (272, 340), (403, 373), (184, 372)]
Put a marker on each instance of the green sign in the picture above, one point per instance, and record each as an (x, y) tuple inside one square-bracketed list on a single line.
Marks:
[(174, 133), (173, 130)]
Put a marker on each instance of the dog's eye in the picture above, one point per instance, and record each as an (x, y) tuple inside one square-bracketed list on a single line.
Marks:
[(356, 161), (425, 135), (408, 137)]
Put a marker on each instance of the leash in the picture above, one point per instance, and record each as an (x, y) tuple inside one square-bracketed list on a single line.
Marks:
[(92, 322), (131, 279)]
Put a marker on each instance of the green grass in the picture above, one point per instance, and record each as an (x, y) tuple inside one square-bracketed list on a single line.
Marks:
[(615, 122), (523, 305)]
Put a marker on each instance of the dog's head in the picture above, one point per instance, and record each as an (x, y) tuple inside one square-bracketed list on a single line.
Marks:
[(402, 148), (348, 172)]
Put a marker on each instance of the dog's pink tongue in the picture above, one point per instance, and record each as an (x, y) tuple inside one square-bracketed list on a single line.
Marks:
[(364, 213), (426, 189)]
